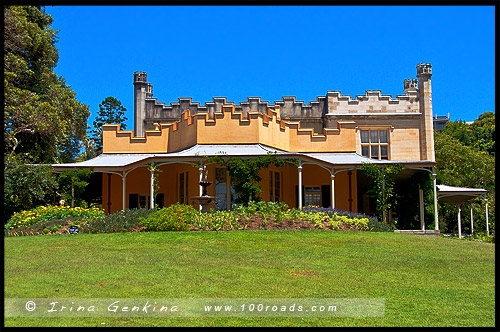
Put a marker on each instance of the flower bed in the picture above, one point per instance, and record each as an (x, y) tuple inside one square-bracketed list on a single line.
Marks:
[(44, 214), (179, 217)]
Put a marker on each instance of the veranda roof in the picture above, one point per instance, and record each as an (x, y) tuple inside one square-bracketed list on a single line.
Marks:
[(119, 161)]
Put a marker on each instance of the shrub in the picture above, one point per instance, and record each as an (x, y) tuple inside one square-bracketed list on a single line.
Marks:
[(122, 221), (176, 217), (330, 218), (26, 186), (216, 221), (266, 210), (375, 225)]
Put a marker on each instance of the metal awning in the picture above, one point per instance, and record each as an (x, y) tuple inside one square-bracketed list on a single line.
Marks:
[(460, 195)]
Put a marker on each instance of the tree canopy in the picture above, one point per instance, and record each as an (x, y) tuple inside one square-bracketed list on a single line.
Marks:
[(111, 111), (43, 121), (479, 135)]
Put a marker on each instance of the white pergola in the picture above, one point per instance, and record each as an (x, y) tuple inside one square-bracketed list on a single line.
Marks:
[(459, 196)]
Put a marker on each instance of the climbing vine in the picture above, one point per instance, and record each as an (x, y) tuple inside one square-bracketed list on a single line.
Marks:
[(156, 183), (383, 190), (245, 173)]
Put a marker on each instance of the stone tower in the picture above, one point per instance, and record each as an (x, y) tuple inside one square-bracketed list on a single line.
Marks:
[(142, 90), (424, 73)]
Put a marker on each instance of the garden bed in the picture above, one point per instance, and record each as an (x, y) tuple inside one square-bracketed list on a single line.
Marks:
[(179, 217)]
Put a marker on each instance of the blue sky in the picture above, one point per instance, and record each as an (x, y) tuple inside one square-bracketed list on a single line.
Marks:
[(274, 51)]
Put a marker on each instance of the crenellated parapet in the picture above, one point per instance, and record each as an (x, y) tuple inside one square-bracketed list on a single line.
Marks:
[(159, 112), (373, 102), (230, 125)]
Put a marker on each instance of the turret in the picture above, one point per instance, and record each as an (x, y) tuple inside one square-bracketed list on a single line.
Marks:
[(142, 90), (424, 73), (410, 84)]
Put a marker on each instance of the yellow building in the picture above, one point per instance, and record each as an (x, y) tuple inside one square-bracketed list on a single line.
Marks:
[(331, 137)]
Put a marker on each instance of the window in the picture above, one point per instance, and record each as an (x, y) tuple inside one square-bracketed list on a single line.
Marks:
[(375, 144), (274, 186), (183, 188), (144, 202), (312, 195), (136, 201)]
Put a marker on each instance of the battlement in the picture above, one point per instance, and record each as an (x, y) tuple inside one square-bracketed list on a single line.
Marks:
[(230, 126), (324, 112), (140, 77), (424, 69), (373, 102), (410, 84)]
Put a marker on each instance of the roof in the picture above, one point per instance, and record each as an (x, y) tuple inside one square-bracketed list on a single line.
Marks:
[(353, 158), (226, 149), (107, 160), (458, 195), (120, 161)]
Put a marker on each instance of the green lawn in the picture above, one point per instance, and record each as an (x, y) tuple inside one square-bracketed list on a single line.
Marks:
[(425, 281)]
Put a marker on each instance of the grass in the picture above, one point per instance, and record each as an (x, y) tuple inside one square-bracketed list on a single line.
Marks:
[(425, 281)]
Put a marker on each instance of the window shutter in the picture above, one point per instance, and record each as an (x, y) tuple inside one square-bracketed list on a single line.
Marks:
[(325, 196), (297, 196)]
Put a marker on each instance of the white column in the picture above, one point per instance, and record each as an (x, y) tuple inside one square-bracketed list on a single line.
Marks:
[(436, 218), (459, 220), (200, 172), (300, 185), (422, 209), (200, 188), (124, 191), (487, 225), (152, 189), (471, 220), (332, 178)]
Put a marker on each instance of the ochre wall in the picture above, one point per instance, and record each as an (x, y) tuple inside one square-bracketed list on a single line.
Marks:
[(116, 193)]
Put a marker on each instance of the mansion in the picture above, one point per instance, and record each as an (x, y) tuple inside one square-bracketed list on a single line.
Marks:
[(331, 137)]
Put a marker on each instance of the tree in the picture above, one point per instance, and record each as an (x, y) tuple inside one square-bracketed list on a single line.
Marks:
[(483, 132), (458, 130), (480, 134), (464, 166), (73, 183), (43, 121), (383, 190), (111, 111)]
